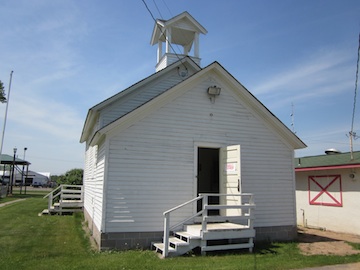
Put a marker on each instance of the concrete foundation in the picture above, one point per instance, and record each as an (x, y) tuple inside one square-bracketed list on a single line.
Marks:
[(143, 240)]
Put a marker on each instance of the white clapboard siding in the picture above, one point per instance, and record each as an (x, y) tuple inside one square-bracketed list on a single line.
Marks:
[(94, 182), (151, 164), (141, 95)]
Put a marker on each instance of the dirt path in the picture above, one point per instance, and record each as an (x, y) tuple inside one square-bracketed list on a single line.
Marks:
[(10, 202), (317, 242)]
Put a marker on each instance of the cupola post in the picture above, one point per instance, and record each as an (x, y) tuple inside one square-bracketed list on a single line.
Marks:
[(182, 30)]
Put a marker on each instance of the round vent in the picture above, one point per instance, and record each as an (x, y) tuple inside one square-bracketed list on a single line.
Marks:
[(332, 151)]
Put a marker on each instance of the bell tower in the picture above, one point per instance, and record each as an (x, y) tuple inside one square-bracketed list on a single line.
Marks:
[(182, 30)]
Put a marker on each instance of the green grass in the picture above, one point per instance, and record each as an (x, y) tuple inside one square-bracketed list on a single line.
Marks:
[(30, 192), (28, 241), (355, 245)]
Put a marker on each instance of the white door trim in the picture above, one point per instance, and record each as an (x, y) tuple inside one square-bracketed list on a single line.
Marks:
[(198, 145)]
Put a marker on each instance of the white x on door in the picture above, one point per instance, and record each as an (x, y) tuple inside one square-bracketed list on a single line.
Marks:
[(230, 178)]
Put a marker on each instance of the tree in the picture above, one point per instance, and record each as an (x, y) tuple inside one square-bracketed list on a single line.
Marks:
[(2, 93), (71, 177)]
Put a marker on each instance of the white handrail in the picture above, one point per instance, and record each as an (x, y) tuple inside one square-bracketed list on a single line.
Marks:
[(63, 189), (52, 192), (182, 205), (203, 211), (167, 223)]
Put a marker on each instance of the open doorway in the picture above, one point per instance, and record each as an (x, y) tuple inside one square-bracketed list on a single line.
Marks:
[(208, 174)]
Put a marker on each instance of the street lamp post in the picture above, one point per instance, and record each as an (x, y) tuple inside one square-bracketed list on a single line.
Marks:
[(13, 172)]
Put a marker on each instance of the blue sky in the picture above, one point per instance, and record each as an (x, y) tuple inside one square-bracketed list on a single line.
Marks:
[(69, 55)]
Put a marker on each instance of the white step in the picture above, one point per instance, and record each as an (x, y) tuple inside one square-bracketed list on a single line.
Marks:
[(177, 242), (196, 228), (227, 247), (160, 247), (192, 236), (187, 235)]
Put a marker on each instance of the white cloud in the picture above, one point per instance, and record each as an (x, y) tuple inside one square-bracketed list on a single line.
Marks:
[(48, 118), (308, 77)]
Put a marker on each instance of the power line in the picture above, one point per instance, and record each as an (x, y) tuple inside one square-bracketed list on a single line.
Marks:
[(149, 10), (162, 33), (161, 16), (167, 8)]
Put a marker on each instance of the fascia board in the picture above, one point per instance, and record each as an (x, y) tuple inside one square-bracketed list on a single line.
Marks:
[(93, 112), (156, 32), (183, 15), (149, 107), (124, 92), (160, 24), (89, 121), (129, 116), (147, 80), (245, 96), (324, 168), (259, 110)]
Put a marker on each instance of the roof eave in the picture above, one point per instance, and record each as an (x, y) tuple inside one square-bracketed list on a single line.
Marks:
[(94, 111), (186, 14), (323, 168), (89, 122), (276, 124), (264, 112), (159, 24)]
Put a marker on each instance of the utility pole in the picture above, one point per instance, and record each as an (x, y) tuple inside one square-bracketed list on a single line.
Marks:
[(6, 111), (352, 134)]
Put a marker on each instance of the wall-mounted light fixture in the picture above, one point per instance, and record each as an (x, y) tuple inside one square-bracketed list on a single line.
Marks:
[(183, 72), (213, 91)]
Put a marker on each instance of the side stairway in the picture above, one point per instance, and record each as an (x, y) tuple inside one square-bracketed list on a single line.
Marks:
[(233, 229), (65, 199)]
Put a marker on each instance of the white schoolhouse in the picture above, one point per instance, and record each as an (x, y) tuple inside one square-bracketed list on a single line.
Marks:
[(179, 133)]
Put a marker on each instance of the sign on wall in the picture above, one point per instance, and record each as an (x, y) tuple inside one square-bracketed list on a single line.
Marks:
[(230, 168), (325, 190)]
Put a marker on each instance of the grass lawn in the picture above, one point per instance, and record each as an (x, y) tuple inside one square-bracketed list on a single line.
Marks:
[(28, 241)]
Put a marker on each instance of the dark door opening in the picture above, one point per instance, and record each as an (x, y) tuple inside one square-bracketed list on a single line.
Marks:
[(208, 175)]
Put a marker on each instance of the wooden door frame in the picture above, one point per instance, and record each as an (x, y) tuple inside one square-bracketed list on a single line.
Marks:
[(198, 145)]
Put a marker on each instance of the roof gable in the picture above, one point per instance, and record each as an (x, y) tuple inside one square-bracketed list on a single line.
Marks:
[(243, 95), (183, 22), (94, 112)]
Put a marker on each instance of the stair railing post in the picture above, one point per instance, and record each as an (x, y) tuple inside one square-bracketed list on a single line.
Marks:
[(205, 213), (61, 192), (251, 203), (82, 193), (50, 201), (166, 234)]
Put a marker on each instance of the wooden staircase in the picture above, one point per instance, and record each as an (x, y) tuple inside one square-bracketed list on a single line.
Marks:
[(232, 229), (65, 199), (179, 244)]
